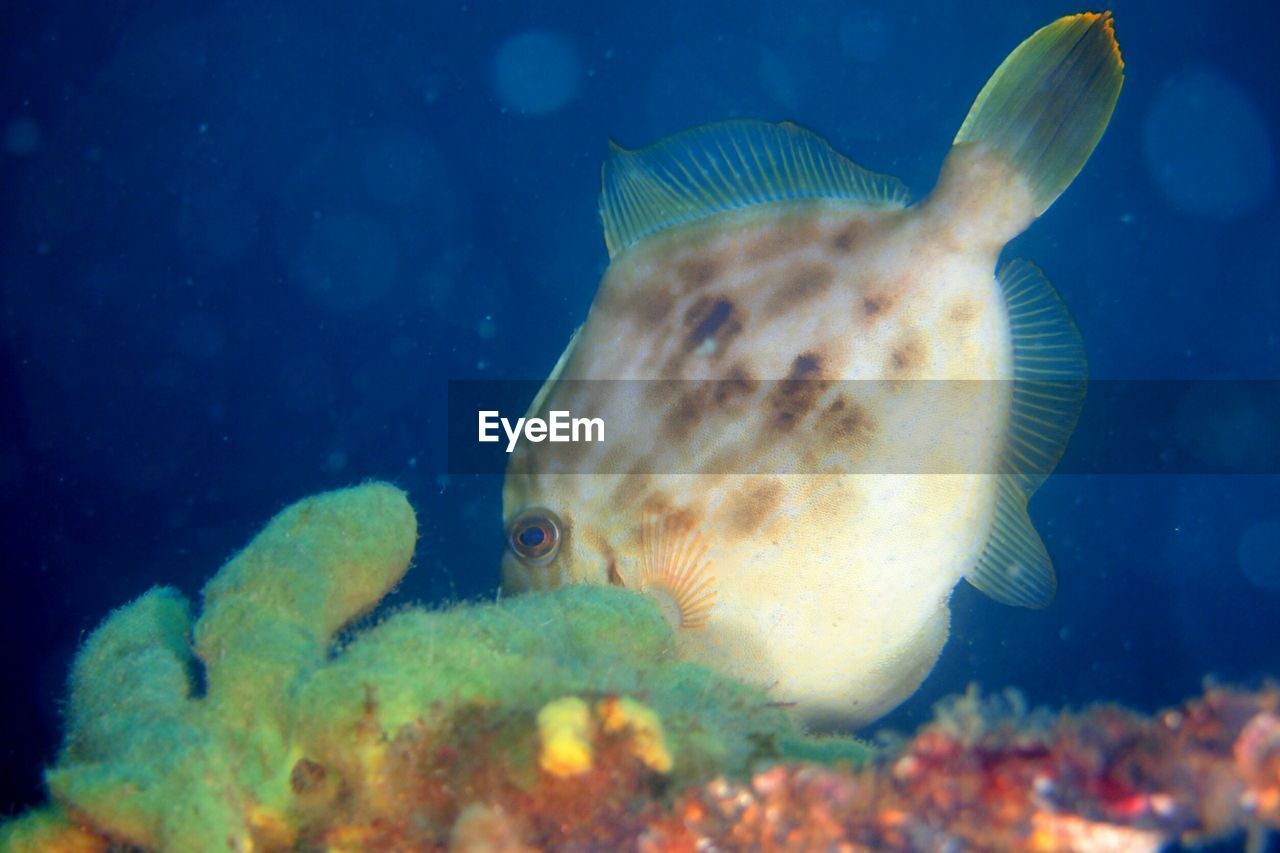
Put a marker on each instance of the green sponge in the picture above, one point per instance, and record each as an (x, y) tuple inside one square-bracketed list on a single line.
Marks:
[(296, 742)]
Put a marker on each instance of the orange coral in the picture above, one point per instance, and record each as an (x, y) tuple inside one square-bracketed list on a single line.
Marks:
[(984, 775)]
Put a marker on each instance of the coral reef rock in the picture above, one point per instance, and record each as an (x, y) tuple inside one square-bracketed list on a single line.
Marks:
[(565, 720)]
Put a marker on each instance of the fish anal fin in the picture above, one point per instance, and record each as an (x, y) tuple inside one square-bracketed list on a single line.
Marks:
[(1050, 374), (1014, 567), (1049, 382)]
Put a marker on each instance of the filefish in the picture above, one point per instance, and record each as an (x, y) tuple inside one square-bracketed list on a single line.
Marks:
[(769, 475)]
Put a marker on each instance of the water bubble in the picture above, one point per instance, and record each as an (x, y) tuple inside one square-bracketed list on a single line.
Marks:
[(536, 72), (389, 166), (1207, 146), (22, 137), (1225, 425), (335, 462), (1258, 553)]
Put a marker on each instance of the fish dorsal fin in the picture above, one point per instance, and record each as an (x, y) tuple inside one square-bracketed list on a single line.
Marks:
[(1049, 378), (1050, 374), (727, 166)]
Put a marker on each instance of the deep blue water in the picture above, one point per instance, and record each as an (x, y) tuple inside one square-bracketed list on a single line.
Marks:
[(245, 244)]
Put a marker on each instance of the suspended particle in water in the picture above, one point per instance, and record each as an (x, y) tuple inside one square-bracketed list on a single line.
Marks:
[(1207, 146), (536, 72)]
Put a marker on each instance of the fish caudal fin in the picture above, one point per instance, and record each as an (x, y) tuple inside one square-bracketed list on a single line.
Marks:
[(1049, 102), (1049, 381)]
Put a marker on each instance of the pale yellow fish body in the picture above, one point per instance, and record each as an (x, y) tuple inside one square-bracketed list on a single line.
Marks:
[(810, 560)]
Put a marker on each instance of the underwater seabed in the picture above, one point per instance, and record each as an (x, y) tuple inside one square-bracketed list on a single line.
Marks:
[(562, 719)]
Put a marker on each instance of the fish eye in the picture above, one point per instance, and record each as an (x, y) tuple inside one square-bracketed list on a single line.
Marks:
[(535, 535)]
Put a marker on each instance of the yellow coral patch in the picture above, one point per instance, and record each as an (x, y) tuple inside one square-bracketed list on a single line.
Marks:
[(273, 828), (647, 740), (48, 829), (564, 727)]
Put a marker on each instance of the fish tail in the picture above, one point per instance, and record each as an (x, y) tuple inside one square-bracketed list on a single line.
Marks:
[(1048, 103)]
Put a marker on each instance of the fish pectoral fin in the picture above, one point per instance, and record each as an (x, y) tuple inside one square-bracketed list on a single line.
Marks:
[(727, 166), (1048, 103), (674, 570), (1049, 382), (1014, 567)]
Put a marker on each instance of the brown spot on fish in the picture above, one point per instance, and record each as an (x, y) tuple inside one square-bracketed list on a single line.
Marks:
[(700, 400), (908, 355), (847, 238), (793, 398), (800, 283), (806, 366), (711, 319), (783, 237), (659, 502), (748, 511), (631, 487), (847, 422), (654, 307), (875, 304), (698, 271), (963, 312), (648, 303), (685, 414), (676, 518), (739, 383), (615, 576)]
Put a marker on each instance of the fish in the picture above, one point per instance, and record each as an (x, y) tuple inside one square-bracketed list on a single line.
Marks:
[(776, 475)]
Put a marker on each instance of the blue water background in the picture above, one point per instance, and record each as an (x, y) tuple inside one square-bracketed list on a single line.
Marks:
[(243, 245)]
